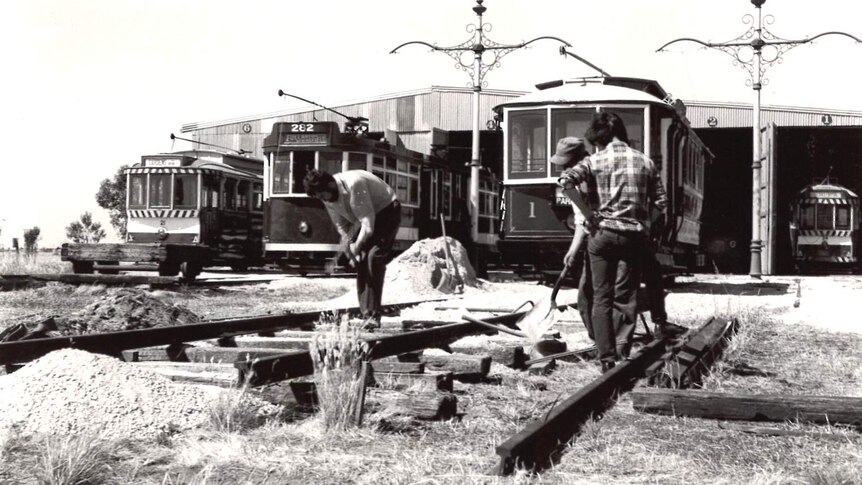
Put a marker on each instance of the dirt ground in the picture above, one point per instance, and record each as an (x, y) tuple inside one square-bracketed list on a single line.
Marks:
[(803, 330)]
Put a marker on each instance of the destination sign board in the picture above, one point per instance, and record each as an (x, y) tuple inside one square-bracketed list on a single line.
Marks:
[(306, 133), (163, 162)]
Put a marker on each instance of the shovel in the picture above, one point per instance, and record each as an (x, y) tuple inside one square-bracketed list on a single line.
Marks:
[(332, 264), (540, 318), (451, 281)]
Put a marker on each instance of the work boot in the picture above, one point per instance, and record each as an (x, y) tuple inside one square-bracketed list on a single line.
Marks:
[(607, 365), (371, 324), (667, 330)]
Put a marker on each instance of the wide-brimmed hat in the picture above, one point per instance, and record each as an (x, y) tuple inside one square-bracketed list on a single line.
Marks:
[(569, 149)]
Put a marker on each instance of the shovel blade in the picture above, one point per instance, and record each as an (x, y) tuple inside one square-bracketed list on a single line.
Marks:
[(538, 319)]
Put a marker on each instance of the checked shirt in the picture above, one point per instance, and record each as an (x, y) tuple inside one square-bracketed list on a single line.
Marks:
[(627, 183)]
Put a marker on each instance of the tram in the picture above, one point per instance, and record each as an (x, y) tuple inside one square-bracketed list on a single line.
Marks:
[(297, 231), (537, 221), (824, 229), (186, 210)]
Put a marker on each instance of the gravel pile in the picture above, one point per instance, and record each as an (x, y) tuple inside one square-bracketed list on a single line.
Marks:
[(72, 391), (125, 309)]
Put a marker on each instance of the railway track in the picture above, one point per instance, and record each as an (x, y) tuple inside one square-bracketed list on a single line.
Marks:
[(22, 281), (259, 360)]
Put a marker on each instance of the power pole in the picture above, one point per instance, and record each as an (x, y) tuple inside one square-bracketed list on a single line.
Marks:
[(756, 50), (479, 44)]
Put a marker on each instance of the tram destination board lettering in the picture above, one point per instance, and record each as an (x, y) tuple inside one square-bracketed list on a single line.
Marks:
[(305, 139)]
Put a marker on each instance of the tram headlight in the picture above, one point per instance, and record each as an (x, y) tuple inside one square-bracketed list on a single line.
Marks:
[(162, 233), (130, 238), (303, 227)]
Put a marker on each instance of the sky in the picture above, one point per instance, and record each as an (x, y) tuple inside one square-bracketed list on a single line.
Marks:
[(90, 85)]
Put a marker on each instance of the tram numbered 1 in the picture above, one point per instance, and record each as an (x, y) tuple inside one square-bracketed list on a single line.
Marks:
[(537, 221)]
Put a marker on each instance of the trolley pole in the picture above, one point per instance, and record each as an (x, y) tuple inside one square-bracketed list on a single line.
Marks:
[(756, 50), (479, 44)]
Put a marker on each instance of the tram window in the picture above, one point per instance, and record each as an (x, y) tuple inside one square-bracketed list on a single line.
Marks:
[(185, 191), (257, 196), (329, 161), (211, 191), (391, 164), (401, 189), (242, 195), (570, 122), (447, 195), (528, 144), (390, 179), (824, 216), (357, 161), (413, 195), (229, 194), (434, 202), (303, 162), (137, 191), (633, 119), (281, 174), (842, 217), (377, 162), (807, 213), (160, 190)]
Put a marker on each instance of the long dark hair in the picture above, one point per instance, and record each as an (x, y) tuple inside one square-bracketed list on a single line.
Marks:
[(316, 181)]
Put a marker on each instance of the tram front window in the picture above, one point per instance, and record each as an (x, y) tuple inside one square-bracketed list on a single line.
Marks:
[(303, 162), (281, 174), (185, 191), (824, 216), (160, 190), (528, 157), (138, 191), (570, 122), (842, 217)]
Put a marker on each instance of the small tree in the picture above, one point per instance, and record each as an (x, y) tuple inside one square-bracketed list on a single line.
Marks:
[(85, 230), (112, 196), (31, 239)]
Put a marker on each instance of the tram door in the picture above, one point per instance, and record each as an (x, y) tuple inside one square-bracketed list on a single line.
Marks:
[(768, 191)]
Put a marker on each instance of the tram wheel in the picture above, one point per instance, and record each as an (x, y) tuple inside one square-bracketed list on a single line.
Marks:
[(190, 270), (167, 268), (82, 267)]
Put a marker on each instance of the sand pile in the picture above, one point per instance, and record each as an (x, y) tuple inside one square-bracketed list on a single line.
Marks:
[(125, 309), (415, 274), (72, 391)]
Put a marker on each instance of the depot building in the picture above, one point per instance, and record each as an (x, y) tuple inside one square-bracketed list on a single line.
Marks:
[(800, 146)]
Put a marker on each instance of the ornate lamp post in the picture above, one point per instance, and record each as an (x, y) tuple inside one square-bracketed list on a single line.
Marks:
[(478, 44), (756, 50)]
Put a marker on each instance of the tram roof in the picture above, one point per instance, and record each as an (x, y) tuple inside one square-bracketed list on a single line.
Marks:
[(583, 91)]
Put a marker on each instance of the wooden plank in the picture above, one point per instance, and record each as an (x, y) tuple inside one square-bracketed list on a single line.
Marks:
[(212, 378), (441, 381), (228, 354), (533, 446), (383, 367), (691, 361), (764, 407), (144, 253), (795, 433), (464, 367), (95, 279), (427, 406)]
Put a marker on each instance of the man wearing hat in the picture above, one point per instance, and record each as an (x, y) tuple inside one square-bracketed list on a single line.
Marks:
[(628, 186), (571, 150)]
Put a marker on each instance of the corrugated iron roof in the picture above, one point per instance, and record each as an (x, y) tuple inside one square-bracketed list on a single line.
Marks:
[(708, 114)]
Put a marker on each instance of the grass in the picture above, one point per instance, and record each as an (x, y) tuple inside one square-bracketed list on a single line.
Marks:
[(22, 263), (338, 354)]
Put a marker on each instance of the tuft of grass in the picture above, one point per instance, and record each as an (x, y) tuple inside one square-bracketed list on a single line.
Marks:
[(15, 263), (74, 460), (337, 355), (234, 412)]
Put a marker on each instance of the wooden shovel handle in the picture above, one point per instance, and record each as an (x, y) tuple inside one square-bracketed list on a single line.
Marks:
[(559, 283)]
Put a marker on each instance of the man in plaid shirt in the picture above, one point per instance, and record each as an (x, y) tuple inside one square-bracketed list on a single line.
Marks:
[(628, 187)]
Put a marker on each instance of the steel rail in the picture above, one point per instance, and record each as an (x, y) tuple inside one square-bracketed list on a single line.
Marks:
[(112, 343), (533, 447), (298, 364)]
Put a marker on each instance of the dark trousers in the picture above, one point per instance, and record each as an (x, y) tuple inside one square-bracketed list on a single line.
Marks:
[(371, 269), (652, 278), (615, 264), (619, 314)]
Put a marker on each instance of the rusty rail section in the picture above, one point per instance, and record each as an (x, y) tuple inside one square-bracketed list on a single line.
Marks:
[(536, 445), (112, 343)]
